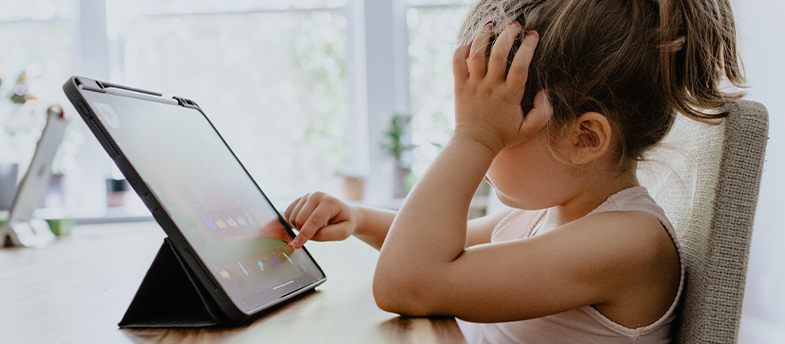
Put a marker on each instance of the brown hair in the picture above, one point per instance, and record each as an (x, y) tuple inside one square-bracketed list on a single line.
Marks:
[(638, 62)]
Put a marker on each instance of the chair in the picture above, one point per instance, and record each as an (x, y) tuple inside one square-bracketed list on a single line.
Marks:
[(707, 180)]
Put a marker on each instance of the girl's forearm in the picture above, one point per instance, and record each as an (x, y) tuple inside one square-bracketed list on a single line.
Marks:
[(430, 228), (373, 225)]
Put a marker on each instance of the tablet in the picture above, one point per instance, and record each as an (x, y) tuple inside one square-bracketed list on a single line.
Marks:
[(214, 213)]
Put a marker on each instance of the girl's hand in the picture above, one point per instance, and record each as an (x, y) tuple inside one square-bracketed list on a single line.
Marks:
[(488, 102), (320, 217)]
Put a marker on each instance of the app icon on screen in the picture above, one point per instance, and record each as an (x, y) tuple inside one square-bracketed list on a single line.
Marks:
[(242, 267)]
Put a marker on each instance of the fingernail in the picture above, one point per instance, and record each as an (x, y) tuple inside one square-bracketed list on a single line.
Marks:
[(489, 25), (533, 34), (516, 23), (293, 243)]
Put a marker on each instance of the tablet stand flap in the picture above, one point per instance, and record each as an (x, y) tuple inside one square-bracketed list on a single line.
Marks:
[(171, 296)]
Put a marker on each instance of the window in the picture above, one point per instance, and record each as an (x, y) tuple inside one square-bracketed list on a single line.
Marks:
[(36, 41), (433, 28), (271, 78), (278, 79)]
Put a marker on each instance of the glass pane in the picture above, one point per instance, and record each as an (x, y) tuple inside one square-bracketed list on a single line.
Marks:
[(41, 50), (432, 35), (36, 9), (189, 6), (439, 2), (272, 83)]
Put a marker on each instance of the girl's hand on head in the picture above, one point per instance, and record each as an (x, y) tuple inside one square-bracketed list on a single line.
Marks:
[(488, 98), (321, 217)]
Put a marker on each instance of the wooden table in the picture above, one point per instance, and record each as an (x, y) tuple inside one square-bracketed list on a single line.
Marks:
[(76, 291)]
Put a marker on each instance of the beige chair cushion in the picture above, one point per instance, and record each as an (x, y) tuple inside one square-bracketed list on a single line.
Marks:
[(707, 177)]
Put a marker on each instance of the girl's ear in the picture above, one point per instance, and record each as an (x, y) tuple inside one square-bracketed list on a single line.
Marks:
[(590, 138)]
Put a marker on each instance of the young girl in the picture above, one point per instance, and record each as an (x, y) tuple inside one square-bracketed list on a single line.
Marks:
[(556, 102)]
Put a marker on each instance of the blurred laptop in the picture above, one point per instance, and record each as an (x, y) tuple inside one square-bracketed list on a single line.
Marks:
[(21, 228)]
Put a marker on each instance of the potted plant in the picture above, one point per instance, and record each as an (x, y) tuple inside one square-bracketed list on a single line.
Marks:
[(398, 145)]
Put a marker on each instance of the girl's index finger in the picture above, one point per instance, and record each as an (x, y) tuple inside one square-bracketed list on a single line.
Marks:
[(460, 70), (519, 69)]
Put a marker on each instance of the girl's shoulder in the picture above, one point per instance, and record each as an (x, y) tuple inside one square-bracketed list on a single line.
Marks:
[(640, 254), (638, 230), (630, 248), (631, 224)]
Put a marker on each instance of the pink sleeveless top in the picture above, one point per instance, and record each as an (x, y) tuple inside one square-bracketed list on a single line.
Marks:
[(584, 324)]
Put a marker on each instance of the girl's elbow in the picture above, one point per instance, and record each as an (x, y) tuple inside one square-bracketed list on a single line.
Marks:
[(387, 302), (399, 295)]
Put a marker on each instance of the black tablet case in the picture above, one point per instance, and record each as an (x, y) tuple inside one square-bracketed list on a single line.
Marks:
[(171, 296)]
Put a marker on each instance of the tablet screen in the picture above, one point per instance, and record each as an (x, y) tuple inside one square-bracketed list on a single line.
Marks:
[(216, 205)]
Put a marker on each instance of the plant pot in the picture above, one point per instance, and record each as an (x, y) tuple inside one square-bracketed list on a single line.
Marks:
[(352, 188)]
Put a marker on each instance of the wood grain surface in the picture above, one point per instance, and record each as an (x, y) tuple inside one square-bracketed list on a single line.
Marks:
[(76, 291)]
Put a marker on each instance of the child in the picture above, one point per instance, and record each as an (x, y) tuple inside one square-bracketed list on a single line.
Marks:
[(558, 129)]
